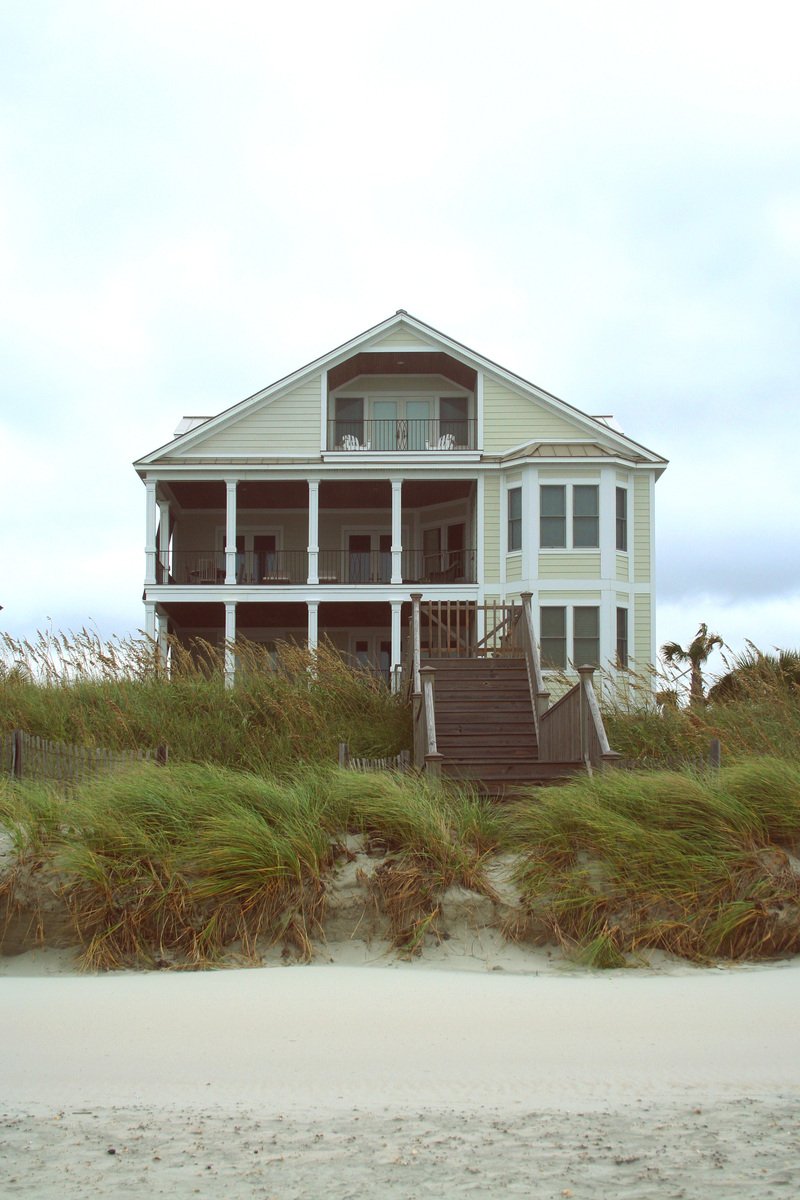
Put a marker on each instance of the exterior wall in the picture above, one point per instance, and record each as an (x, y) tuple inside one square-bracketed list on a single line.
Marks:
[(642, 549), (403, 336), (289, 424), (622, 566), (510, 418), (569, 564), (491, 524), (642, 630)]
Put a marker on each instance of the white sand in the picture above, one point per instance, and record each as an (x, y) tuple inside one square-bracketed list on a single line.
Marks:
[(346, 1081)]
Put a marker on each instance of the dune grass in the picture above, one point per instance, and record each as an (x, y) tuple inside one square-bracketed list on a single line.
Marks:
[(75, 689), (694, 865), (182, 861)]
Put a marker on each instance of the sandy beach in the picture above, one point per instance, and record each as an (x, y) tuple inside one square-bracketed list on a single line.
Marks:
[(344, 1081)]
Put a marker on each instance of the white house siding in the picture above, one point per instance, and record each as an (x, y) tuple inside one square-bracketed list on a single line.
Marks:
[(287, 425), (641, 528), (570, 566), (491, 522), (510, 418)]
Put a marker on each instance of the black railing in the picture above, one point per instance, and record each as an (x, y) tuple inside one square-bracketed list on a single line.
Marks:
[(415, 434), (256, 567), (417, 566), (204, 567)]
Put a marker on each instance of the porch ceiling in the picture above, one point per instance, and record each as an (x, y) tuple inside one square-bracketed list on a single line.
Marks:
[(293, 494), (399, 363)]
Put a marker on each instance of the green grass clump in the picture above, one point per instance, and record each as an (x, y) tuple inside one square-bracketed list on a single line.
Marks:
[(182, 861), (627, 861)]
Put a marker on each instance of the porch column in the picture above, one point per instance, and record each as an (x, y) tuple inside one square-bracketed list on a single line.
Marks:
[(150, 619), (397, 531), (397, 649), (313, 624), (150, 535), (162, 571), (313, 532), (162, 633), (230, 531), (230, 640)]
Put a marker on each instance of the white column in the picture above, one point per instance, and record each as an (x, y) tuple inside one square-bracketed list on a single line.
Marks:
[(397, 649), (163, 541), (313, 624), (313, 531), (230, 640), (150, 619), (162, 633), (397, 531), (230, 531), (150, 535), (527, 524), (479, 411)]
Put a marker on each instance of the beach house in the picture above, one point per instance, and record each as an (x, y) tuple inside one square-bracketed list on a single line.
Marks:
[(402, 463)]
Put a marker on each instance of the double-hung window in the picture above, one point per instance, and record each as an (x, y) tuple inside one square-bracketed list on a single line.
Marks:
[(514, 518), (585, 636), (622, 518), (569, 517)]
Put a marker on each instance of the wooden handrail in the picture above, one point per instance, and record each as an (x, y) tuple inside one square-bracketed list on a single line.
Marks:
[(540, 697), (431, 758), (592, 724)]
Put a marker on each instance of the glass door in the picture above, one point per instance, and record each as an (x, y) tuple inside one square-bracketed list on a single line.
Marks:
[(418, 421), (384, 425)]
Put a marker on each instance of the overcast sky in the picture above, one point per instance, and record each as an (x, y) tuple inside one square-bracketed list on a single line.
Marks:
[(195, 199)]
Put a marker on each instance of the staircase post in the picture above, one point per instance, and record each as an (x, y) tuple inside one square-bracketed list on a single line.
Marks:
[(416, 641), (586, 673)]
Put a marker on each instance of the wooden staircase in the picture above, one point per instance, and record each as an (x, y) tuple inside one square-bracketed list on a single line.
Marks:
[(485, 730)]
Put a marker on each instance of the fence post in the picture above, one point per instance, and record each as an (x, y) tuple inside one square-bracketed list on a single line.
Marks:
[(162, 754), (16, 754), (715, 754), (344, 754)]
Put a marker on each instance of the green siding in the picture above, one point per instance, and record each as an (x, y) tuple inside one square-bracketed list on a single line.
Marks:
[(513, 567), (402, 336), (641, 630), (641, 529), (510, 418), (491, 528), (287, 425), (622, 566), (570, 566)]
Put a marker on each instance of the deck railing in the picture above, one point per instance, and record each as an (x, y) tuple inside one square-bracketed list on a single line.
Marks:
[(573, 730), (402, 435), (205, 567)]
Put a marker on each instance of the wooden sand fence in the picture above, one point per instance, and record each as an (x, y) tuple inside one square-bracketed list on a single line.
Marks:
[(25, 756), (395, 762)]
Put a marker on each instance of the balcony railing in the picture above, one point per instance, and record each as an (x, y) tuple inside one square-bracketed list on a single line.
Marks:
[(386, 436), (204, 568)]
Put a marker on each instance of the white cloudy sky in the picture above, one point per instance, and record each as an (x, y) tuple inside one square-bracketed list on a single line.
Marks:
[(197, 198)]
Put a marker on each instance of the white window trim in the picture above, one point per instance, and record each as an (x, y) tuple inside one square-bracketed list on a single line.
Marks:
[(569, 484)]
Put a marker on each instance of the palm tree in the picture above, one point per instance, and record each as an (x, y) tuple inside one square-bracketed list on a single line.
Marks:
[(696, 655)]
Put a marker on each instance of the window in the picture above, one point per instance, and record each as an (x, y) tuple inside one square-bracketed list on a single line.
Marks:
[(622, 521), (349, 423), (553, 516), (622, 636), (585, 518), (554, 638), (586, 636), (584, 512), (515, 518)]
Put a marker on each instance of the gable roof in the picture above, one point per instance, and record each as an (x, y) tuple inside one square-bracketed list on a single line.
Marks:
[(398, 333)]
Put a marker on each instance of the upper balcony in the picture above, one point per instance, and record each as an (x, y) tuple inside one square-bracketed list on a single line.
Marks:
[(402, 434)]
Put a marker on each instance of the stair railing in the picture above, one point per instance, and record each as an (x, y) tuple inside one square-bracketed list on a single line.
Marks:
[(525, 639), (572, 730), (423, 713)]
